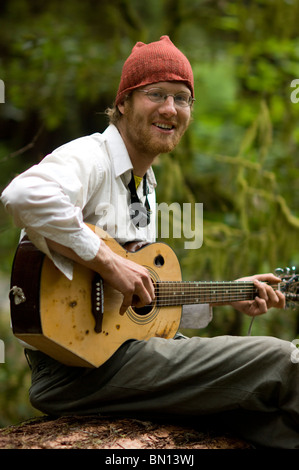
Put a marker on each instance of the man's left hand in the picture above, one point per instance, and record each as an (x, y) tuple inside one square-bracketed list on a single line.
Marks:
[(267, 296)]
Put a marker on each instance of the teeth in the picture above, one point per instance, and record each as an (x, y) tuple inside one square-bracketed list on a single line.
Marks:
[(164, 126)]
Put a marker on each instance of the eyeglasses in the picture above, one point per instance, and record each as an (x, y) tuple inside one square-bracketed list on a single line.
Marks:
[(157, 95)]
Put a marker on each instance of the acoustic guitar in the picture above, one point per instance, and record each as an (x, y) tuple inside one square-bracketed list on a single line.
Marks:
[(78, 322)]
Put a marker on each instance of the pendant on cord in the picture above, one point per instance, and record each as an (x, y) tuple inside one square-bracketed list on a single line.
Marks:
[(139, 213)]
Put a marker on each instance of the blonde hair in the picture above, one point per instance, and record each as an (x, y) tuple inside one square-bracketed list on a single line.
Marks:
[(114, 115)]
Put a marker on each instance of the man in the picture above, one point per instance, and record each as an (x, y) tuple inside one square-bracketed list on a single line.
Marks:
[(250, 382)]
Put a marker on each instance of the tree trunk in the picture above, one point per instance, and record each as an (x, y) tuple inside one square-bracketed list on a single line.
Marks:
[(94, 432)]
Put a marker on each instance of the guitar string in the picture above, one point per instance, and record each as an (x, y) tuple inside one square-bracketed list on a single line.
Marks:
[(179, 289), (189, 292), (212, 285)]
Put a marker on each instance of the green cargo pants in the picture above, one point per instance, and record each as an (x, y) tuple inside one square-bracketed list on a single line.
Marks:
[(249, 384)]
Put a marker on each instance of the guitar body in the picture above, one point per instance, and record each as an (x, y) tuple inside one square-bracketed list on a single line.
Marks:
[(78, 322)]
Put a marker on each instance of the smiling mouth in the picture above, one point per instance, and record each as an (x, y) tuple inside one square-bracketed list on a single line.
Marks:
[(163, 126)]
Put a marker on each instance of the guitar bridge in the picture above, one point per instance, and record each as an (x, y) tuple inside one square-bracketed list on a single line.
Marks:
[(97, 302)]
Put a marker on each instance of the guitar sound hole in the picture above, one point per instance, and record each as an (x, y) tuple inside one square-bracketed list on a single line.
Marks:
[(159, 260), (142, 310)]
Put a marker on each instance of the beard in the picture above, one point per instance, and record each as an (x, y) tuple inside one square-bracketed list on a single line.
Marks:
[(140, 132)]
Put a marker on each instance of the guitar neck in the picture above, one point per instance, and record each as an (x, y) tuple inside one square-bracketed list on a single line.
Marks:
[(189, 293)]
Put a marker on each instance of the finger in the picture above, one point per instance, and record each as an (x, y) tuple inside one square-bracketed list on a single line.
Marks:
[(262, 290), (145, 290), (139, 298), (126, 303), (260, 306), (149, 285), (143, 287), (273, 298), (269, 277), (123, 309), (282, 300), (143, 297), (276, 299)]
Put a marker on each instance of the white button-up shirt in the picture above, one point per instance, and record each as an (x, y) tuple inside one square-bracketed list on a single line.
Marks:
[(83, 181)]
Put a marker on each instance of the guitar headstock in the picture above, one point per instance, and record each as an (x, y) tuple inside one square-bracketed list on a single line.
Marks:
[(289, 285)]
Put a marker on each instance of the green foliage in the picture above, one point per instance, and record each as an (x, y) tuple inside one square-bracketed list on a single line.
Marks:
[(61, 63)]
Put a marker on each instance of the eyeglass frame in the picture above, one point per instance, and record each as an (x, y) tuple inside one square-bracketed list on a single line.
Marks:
[(166, 95)]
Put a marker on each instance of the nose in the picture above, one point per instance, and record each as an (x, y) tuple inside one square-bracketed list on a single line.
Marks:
[(168, 107)]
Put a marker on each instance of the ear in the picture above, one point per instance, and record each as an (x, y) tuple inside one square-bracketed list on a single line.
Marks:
[(121, 107)]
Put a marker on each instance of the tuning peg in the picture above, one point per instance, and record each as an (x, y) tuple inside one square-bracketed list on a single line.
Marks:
[(279, 272)]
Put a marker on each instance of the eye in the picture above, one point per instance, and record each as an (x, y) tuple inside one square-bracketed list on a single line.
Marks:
[(182, 98), (155, 95)]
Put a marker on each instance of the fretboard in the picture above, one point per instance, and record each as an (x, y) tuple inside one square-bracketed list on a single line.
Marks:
[(191, 292)]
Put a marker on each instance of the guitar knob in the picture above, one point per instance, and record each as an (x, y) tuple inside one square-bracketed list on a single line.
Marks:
[(279, 272), (287, 270)]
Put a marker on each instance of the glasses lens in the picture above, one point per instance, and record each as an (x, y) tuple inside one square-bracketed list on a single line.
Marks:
[(182, 99), (156, 96)]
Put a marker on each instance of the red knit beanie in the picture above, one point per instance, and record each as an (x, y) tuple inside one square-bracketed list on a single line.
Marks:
[(158, 61)]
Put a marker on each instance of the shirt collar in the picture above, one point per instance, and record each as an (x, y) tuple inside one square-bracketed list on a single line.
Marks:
[(120, 158)]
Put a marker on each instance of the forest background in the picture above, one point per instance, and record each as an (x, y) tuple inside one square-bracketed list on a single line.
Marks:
[(60, 64)]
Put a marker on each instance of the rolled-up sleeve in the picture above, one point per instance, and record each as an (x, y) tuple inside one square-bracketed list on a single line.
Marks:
[(47, 201), (41, 207)]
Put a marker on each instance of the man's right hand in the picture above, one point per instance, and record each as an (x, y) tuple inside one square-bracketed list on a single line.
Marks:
[(131, 279)]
